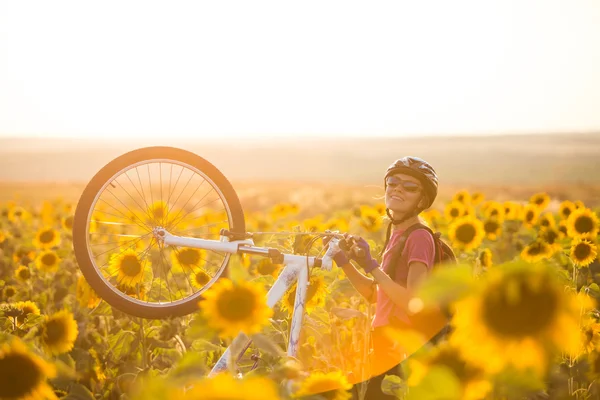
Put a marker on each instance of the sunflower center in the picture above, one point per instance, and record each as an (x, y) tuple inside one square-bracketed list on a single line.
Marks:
[(466, 233), (550, 237), (582, 251), (529, 216), (130, 265), (202, 278), (545, 222), (566, 212), (584, 225), (535, 249), (236, 304), (452, 360), (491, 226), (55, 332), (49, 259), (24, 273), (539, 201), (188, 257), (47, 236), (520, 311), (454, 212), (19, 376)]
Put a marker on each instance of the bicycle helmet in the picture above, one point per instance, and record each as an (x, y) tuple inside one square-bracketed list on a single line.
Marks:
[(417, 168)]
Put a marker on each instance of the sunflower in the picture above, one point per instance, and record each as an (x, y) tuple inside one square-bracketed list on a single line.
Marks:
[(370, 219), (536, 251), (551, 237), (579, 204), (46, 238), (518, 315), (562, 228), (466, 233), (17, 214), (201, 278), (337, 224), (485, 258), (25, 308), (492, 228), (582, 222), (48, 261), (495, 210), (23, 255), (472, 378), (315, 294), (8, 292), (59, 332), (267, 267), (137, 291), (23, 273), (334, 383), (158, 211), (530, 215), (380, 208), (477, 198), (540, 200), (314, 224), (187, 258), (565, 209), (231, 308), (590, 332), (224, 386), (23, 375), (512, 211), (583, 252), (462, 196), (86, 296), (67, 223), (454, 210), (547, 220), (129, 266)]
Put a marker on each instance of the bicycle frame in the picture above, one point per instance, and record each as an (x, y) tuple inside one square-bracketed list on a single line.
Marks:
[(295, 268)]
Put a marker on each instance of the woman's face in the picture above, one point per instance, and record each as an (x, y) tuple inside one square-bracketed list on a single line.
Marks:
[(403, 193)]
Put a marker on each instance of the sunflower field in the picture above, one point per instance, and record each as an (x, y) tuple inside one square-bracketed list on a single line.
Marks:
[(525, 323)]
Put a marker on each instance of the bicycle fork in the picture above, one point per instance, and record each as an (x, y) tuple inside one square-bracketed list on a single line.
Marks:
[(295, 269)]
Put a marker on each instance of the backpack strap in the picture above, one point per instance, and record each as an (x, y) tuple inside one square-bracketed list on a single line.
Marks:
[(399, 247)]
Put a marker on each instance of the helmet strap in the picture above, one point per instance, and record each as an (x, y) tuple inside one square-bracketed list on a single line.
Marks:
[(415, 212)]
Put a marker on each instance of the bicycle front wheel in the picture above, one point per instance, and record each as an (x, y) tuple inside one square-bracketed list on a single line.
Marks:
[(113, 230)]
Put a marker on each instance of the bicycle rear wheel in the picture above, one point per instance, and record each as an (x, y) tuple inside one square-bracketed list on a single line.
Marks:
[(113, 230)]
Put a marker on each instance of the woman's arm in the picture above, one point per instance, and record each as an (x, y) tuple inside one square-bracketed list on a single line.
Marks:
[(363, 284), (400, 295)]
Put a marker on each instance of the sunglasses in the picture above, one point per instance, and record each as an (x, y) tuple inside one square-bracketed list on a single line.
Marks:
[(408, 186)]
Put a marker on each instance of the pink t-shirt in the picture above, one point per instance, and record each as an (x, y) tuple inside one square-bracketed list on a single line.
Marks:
[(418, 247)]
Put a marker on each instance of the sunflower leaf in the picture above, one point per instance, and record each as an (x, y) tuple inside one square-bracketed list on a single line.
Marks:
[(79, 392), (439, 384), (266, 344), (447, 284)]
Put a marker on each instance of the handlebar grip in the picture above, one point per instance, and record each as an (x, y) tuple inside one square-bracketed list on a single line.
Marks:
[(346, 244)]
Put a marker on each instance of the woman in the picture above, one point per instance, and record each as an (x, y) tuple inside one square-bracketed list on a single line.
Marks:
[(411, 186)]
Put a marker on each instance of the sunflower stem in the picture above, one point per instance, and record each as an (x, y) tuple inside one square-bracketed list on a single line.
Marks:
[(143, 342)]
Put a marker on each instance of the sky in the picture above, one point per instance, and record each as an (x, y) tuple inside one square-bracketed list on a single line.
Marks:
[(188, 69)]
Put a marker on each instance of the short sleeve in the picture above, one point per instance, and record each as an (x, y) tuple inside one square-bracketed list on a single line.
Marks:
[(420, 247)]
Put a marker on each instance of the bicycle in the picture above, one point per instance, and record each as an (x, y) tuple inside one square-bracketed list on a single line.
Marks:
[(145, 235)]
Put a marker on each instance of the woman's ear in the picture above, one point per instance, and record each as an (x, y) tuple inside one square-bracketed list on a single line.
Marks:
[(423, 202)]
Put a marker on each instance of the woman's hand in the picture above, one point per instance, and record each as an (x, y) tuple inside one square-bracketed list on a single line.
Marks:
[(367, 262), (340, 257)]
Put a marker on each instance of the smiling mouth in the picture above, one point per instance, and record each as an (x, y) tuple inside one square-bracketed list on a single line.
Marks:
[(397, 198)]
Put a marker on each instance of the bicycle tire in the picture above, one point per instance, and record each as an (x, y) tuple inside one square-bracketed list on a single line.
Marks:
[(83, 216)]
